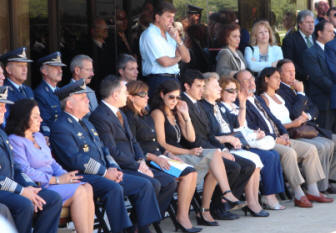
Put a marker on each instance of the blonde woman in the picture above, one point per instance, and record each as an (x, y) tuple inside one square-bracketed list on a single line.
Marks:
[(263, 51)]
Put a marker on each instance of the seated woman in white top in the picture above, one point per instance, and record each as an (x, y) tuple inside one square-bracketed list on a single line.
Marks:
[(269, 82), (263, 52)]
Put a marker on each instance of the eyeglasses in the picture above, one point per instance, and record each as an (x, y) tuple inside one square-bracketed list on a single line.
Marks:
[(142, 94), (173, 97), (231, 90)]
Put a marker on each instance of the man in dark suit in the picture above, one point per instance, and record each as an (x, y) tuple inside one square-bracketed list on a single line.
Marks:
[(22, 196), (238, 169), (321, 84), (296, 101), (296, 42), (100, 47), (258, 116), (16, 67), (49, 105), (77, 146), (114, 131)]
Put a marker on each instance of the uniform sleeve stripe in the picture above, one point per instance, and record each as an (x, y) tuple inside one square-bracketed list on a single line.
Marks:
[(92, 167), (8, 185)]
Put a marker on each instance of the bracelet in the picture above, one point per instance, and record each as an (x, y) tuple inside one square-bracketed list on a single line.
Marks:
[(180, 44), (57, 180)]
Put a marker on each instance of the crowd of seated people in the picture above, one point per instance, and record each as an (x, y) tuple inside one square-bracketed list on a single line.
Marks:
[(236, 132)]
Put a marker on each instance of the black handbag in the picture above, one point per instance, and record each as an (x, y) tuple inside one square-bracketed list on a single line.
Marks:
[(303, 131)]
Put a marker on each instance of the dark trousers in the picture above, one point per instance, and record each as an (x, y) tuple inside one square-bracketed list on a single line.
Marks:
[(327, 119), (154, 82), (22, 210), (271, 173), (238, 173), (140, 192), (164, 186)]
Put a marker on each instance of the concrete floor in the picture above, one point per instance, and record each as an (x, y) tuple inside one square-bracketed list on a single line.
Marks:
[(319, 219)]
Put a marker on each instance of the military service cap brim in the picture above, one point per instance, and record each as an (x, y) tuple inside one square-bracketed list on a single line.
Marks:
[(194, 9), (4, 95), (53, 59), (17, 55), (77, 87)]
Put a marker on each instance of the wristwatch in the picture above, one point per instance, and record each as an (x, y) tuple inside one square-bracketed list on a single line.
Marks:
[(57, 180)]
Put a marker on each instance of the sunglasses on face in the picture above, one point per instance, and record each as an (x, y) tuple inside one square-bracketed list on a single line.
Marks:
[(173, 97), (142, 94), (231, 90)]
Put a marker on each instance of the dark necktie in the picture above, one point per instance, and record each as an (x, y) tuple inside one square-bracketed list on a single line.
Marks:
[(22, 91), (308, 42), (260, 107), (84, 127), (120, 118)]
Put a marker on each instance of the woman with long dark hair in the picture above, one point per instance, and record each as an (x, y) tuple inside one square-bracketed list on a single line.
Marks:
[(172, 122)]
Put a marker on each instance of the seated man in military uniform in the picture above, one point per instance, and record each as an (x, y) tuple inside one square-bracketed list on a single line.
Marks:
[(24, 201), (16, 67), (49, 105), (77, 147)]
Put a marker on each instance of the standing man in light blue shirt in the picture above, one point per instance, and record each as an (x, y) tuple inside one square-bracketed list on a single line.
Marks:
[(162, 48)]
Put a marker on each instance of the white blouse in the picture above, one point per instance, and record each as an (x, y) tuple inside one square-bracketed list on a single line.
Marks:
[(280, 111)]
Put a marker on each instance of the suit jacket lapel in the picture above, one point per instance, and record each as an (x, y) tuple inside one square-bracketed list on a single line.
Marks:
[(194, 110)]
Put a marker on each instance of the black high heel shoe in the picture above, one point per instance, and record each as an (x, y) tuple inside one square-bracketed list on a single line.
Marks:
[(201, 221), (191, 230), (261, 213), (234, 204)]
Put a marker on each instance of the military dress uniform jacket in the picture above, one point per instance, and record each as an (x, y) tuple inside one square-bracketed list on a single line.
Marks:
[(78, 149), (14, 94), (49, 104), (7, 172)]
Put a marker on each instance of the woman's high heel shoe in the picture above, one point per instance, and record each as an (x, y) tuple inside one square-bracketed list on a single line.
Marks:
[(261, 213), (190, 230), (234, 204), (201, 221), (267, 206)]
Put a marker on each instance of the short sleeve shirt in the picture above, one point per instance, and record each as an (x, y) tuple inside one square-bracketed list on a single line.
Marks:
[(153, 46)]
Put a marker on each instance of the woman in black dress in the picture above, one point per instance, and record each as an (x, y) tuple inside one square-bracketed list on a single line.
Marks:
[(142, 126)]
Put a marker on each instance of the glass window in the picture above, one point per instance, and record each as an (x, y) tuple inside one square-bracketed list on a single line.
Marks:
[(4, 26), (283, 15)]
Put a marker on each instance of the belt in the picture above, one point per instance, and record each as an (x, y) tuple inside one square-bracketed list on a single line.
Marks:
[(165, 75)]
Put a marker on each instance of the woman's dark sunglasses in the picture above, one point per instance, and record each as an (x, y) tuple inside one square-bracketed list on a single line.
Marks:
[(231, 90), (172, 97), (142, 94)]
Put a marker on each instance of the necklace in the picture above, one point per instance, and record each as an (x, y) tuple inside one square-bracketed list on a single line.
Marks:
[(177, 131)]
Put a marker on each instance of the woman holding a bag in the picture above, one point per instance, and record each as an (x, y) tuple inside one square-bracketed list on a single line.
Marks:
[(269, 82)]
